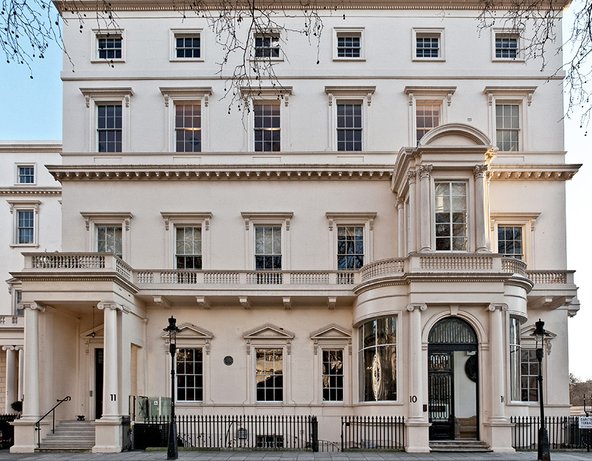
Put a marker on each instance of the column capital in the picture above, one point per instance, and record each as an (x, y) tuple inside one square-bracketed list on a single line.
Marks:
[(33, 306), (424, 171), (8, 348), (109, 305), (411, 176), (479, 171), (421, 307), (497, 307)]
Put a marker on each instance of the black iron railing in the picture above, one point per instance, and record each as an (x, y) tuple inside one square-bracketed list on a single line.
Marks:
[(564, 432), (52, 412), (372, 432), (283, 432)]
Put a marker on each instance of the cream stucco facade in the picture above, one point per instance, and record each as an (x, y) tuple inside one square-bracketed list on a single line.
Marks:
[(304, 231)]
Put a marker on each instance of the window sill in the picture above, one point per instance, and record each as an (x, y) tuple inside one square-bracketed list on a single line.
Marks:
[(428, 60), (24, 245), (267, 59), (186, 60), (362, 59), (106, 61), (508, 60), (25, 184)]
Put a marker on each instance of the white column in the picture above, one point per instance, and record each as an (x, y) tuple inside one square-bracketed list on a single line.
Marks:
[(481, 240), (411, 217), (425, 228), (31, 372), (11, 378), (110, 373), (496, 352), (21, 369), (415, 364), (401, 228)]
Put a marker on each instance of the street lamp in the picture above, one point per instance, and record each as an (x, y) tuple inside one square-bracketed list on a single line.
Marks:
[(543, 442), (172, 330)]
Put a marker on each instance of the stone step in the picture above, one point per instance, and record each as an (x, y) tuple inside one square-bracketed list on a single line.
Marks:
[(69, 436), (468, 446)]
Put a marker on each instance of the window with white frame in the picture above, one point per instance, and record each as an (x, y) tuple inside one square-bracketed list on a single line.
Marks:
[(109, 112), (349, 44), (18, 298), (108, 232), (190, 374), (267, 45), (188, 238), (428, 45), (332, 378), (268, 247), (187, 126), (510, 241), (186, 111), (506, 46), (427, 108), (515, 358), (267, 127), (25, 227), (507, 123), (427, 116), (109, 45), (269, 374), (109, 127), (512, 234), (378, 359), (25, 174), (350, 247), (267, 243), (529, 371), (349, 126), (450, 215), (187, 45)]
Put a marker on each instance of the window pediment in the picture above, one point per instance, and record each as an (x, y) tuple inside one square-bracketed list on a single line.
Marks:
[(440, 92), (331, 333), (105, 94), (268, 332), (186, 93), (101, 217)]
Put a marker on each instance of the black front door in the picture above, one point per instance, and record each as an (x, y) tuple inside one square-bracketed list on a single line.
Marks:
[(441, 394), (99, 382)]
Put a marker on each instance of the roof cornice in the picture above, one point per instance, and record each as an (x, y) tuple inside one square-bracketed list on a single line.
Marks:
[(30, 191), (219, 172), (77, 6)]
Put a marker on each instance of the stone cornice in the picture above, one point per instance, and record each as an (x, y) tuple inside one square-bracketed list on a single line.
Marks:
[(548, 172), (219, 172), (153, 5), (30, 191), (30, 147)]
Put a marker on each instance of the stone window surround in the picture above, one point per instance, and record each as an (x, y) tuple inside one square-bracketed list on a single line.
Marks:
[(349, 32), (495, 31), (24, 205), (93, 219), (174, 33), (337, 219), (439, 94), (428, 31), (103, 33), (273, 218), (18, 166), (522, 219), (190, 219)]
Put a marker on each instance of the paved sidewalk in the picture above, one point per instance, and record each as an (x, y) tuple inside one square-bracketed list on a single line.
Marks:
[(293, 456)]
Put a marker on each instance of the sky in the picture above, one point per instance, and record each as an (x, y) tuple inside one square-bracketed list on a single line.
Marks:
[(31, 109)]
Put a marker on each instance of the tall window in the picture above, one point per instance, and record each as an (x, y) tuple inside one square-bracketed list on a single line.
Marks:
[(506, 46), (267, 45), (427, 45), (109, 239), (515, 357), (349, 45), (378, 360), (451, 216), (267, 126), (427, 116), (507, 122), (188, 127), (25, 227), (349, 126), (189, 374), (25, 174), (529, 375), (509, 241), (188, 46), (350, 247), (109, 127), (268, 247), (109, 46), (269, 375), (333, 375), (188, 248)]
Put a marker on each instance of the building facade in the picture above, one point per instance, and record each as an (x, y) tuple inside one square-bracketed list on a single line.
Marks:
[(30, 221), (375, 233)]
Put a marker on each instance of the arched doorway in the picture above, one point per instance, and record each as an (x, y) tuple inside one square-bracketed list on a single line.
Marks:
[(453, 386)]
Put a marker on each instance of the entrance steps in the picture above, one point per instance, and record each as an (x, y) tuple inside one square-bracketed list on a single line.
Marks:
[(467, 446), (69, 436)]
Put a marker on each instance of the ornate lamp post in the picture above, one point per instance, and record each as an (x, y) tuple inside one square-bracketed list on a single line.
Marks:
[(172, 330), (543, 442)]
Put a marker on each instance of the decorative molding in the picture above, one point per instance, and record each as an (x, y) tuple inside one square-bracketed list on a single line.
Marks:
[(497, 307), (186, 217), (421, 307), (547, 172), (107, 216), (186, 93), (353, 217), (509, 91), (443, 92), (123, 93), (267, 92), (480, 171), (33, 306), (203, 302), (350, 91), (424, 171), (20, 204), (331, 335), (109, 305), (19, 190), (267, 216)]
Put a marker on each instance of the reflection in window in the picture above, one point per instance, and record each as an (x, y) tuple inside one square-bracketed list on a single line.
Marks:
[(269, 375), (509, 241), (268, 247), (350, 247), (378, 360), (333, 375), (109, 240), (529, 368), (427, 116), (188, 127), (190, 374), (515, 357), (188, 247), (507, 123), (451, 216), (267, 126), (25, 227), (109, 127)]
